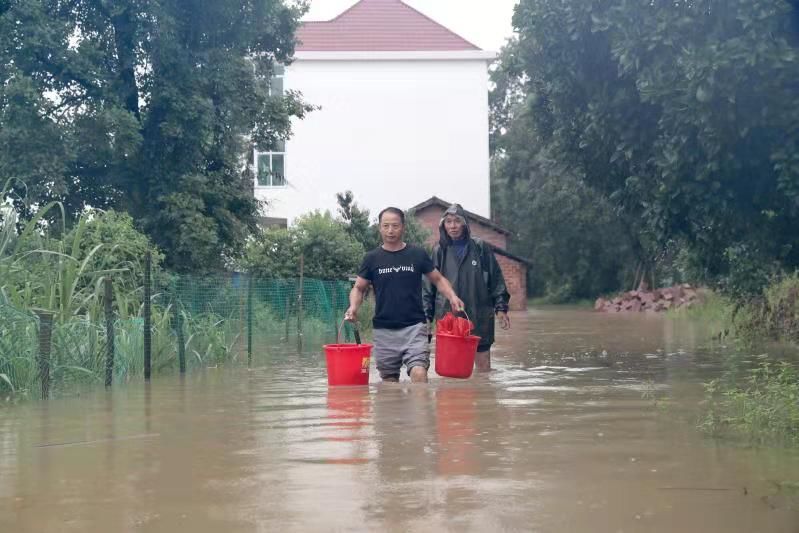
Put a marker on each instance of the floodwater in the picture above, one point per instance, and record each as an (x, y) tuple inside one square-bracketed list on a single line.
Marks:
[(561, 437)]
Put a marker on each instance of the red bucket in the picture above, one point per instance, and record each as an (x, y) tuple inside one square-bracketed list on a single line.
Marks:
[(348, 364), (455, 355)]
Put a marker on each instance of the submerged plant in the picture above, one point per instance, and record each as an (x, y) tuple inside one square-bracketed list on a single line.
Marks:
[(763, 410)]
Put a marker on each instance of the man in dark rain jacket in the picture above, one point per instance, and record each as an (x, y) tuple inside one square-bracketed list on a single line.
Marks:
[(470, 266)]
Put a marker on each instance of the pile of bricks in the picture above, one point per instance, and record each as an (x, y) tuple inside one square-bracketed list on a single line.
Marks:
[(655, 301)]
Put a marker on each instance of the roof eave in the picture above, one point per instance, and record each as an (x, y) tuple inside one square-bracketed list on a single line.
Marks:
[(435, 200), (395, 55)]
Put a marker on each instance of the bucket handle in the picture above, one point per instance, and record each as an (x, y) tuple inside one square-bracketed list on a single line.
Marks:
[(354, 326), (467, 318)]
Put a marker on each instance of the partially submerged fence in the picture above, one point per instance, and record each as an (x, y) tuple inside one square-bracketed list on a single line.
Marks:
[(183, 322)]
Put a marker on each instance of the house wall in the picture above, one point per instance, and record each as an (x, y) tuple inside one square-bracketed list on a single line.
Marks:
[(394, 132), (515, 274)]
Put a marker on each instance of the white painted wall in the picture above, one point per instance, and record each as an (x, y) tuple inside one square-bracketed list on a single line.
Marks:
[(393, 131)]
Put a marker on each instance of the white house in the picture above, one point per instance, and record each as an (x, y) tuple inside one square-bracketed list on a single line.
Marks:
[(403, 115)]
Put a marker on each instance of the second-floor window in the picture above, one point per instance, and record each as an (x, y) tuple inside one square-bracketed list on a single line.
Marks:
[(270, 166)]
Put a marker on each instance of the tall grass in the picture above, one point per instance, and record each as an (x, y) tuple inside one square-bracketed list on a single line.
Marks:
[(764, 409), (47, 267), (715, 312), (759, 405), (18, 347)]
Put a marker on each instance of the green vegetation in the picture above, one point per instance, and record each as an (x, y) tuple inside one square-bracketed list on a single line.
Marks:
[(328, 251), (660, 141), (147, 108), (775, 314), (772, 316), (657, 138), (44, 269), (757, 402), (762, 410), (715, 311), (331, 248), (359, 225)]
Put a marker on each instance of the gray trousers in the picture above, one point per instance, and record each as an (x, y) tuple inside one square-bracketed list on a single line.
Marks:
[(396, 347)]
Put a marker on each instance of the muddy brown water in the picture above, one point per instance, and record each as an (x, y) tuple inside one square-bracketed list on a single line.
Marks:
[(561, 437)]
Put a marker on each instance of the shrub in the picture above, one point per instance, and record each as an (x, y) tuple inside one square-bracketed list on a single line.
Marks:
[(329, 251), (763, 410)]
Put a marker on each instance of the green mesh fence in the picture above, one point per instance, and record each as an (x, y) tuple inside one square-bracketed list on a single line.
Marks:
[(209, 320), (279, 310), (18, 349)]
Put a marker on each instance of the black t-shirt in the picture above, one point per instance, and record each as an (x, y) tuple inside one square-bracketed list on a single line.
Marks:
[(397, 279)]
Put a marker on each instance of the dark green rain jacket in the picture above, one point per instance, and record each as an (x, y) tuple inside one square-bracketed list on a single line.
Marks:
[(477, 280)]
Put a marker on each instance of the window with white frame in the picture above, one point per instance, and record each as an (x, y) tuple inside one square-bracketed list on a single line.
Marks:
[(276, 83), (270, 166)]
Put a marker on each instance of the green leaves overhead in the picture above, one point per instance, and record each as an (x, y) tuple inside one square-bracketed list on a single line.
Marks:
[(147, 106), (683, 114)]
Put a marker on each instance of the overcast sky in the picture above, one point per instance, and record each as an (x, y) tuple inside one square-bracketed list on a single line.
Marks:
[(486, 23)]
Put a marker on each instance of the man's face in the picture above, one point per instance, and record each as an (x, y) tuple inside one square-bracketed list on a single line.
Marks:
[(391, 228), (454, 226)]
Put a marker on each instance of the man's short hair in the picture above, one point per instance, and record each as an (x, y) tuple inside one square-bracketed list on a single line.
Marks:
[(393, 210)]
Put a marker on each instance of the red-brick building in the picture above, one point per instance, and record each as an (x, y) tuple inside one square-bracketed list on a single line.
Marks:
[(514, 268)]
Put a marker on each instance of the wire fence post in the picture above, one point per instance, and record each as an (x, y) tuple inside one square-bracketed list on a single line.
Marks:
[(148, 347), (288, 314), (180, 339), (299, 303), (333, 313), (249, 319), (109, 332), (45, 347)]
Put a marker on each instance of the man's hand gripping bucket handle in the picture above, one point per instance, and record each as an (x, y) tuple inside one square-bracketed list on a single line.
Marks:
[(354, 327), (467, 318)]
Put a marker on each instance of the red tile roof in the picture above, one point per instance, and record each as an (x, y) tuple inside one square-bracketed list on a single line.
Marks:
[(379, 26)]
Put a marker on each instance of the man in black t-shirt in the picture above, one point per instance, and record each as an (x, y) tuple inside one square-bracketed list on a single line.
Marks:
[(395, 271)]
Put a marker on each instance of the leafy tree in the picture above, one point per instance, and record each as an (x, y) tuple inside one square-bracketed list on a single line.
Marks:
[(123, 248), (578, 246), (149, 107), (356, 221), (329, 252), (681, 114), (327, 249), (577, 241), (272, 253), (415, 232)]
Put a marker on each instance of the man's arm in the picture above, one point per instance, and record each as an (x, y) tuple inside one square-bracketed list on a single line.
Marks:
[(356, 298), (429, 299), (443, 286), (499, 291), (429, 291)]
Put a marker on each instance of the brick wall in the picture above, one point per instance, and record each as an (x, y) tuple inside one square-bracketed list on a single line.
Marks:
[(429, 218), (488, 235), (515, 274)]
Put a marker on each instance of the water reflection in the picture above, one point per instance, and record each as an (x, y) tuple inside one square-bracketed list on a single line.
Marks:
[(349, 419), (404, 433), (458, 430)]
